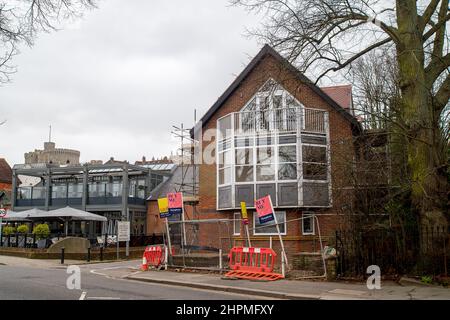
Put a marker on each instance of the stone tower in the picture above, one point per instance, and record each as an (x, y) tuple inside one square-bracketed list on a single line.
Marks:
[(53, 155)]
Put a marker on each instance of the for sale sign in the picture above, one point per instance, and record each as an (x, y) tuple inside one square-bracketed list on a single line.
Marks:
[(175, 202), (163, 205), (264, 209), (244, 213)]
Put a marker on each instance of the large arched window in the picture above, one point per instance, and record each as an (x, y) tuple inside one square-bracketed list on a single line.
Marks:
[(271, 108)]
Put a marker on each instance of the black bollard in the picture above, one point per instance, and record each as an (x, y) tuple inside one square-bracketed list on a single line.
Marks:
[(25, 241), (101, 253), (89, 254), (9, 240), (62, 255)]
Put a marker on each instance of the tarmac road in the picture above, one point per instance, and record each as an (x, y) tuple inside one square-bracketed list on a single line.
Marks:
[(48, 282)]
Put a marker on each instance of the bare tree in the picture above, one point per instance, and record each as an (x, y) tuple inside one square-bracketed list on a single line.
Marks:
[(376, 90), (21, 20), (325, 36)]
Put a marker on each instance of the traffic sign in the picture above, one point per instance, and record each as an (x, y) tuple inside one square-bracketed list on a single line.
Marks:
[(2, 213)]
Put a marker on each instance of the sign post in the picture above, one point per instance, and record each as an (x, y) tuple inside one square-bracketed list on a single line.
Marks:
[(163, 205), (2, 214), (176, 206), (265, 211), (123, 232), (245, 221)]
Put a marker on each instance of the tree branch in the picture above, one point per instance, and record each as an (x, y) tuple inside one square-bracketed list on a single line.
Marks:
[(435, 28), (356, 56), (435, 68), (426, 16), (442, 96)]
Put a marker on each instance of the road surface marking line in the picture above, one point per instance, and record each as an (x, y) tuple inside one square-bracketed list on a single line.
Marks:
[(104, 298), (83, 295)]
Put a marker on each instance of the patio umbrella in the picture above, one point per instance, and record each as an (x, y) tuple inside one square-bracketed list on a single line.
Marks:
[(16, 216), (72, 214), (75, 214)]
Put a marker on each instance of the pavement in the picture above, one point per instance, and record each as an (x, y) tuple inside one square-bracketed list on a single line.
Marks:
[(220, 287), (295, 289)]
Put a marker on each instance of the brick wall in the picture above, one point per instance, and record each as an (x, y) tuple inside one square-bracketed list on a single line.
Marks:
[(340, 144), (5, 186), (157, 225)]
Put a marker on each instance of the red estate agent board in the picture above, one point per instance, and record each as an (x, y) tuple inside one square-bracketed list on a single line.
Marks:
[(175, 202), (264, 209)]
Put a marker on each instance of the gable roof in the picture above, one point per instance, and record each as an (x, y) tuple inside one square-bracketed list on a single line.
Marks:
[(5, 171), (268, 50), (342, 95)]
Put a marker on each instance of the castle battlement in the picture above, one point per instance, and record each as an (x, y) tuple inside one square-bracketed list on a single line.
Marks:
[(51, 154)]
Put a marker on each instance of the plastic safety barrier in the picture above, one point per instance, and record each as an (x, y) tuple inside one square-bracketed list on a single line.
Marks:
[(252, 263), (153, 256)]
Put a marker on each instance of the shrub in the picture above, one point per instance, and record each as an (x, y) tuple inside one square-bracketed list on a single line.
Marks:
[(427, 279), (23, 228), (8, 230), (42, 231)]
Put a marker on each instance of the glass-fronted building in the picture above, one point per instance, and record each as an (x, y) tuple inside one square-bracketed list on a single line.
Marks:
[(116, 191)]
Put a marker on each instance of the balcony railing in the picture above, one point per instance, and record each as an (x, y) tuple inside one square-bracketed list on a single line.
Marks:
[(279, 120)]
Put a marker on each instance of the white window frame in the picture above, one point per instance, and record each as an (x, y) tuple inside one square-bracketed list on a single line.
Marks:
[(256, 233), (312, 216), (236, 216)]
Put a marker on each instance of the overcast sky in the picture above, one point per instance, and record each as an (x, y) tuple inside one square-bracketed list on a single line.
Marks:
[(114, 83)]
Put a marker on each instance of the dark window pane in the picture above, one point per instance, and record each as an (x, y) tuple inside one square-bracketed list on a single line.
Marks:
[(244, 173), (243, 142), (287, 139), (263, 141), (314, 154), (308, 224), (313, 171), (287, 154), (287, 171)]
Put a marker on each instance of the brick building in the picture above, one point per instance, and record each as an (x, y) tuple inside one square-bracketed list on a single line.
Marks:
[(277, 133)]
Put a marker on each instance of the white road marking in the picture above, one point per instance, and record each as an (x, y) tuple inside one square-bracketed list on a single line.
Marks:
[(83, 295)]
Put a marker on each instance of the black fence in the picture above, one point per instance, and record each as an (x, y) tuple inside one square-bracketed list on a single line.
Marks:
[(394, 251), (29, 240)]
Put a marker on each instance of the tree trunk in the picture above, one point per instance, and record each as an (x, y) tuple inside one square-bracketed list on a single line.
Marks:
[(424, 149)]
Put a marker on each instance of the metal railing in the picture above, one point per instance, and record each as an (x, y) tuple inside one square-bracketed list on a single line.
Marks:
[(280, 120)]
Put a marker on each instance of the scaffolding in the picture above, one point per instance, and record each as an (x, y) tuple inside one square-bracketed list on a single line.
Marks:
[(188, 186)]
